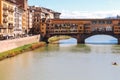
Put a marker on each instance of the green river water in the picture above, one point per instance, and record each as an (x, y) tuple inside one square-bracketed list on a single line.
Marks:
[(64, 62)]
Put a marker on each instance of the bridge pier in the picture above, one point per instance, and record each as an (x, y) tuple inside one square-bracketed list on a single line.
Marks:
[(118, 40), (45, 39), (80, 39)]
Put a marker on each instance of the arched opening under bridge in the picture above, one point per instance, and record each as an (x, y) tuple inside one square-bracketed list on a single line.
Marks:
[(63, 39), (101, 39)]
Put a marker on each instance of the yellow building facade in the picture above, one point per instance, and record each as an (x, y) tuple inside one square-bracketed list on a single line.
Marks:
[(6, 17), (25, 22), (0, 13)]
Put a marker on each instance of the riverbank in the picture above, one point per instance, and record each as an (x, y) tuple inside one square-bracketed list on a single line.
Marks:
[(55, 39), (20, 50), (18, 42)]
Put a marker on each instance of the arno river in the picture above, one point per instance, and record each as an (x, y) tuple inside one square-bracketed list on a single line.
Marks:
[(64, 62)]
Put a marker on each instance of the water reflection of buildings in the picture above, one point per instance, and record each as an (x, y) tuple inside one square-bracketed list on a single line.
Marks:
[(71, 45), (82, 48), (52, 47), (100, 48), (116, 49)]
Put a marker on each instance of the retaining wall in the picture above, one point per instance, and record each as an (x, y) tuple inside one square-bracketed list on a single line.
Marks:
[(14, 43)]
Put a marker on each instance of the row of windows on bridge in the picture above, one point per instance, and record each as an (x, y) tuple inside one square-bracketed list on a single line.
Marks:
[(79, 31), (76, 31), (67, 26), (67, 31), (117, 31), (64, 28), (73, 25), (95, 29), (102, 22), (102, 29), (63, 25), (109, 28), (117, 27)]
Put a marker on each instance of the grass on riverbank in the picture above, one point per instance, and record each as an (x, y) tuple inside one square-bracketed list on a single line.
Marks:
[(55, 39), (19, 50)]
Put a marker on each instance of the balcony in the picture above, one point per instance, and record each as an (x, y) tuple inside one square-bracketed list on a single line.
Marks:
[(4, 26), (10, 9), (10, 25), (5, 20), (5, 14), (1, 26), (5, 8)]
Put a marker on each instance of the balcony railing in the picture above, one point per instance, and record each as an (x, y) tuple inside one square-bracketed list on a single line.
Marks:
[(4, 26), (10, 26), (5, 14), (1, 26), (5, 20), (5, 8), (10, 10)]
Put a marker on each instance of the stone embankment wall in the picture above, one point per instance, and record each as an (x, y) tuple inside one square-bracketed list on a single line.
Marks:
[(14, 43)]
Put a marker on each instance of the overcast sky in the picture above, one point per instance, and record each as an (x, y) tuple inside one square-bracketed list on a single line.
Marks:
[(81, 8)]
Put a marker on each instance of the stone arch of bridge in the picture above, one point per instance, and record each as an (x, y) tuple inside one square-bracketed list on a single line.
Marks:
[(114, 36), (46, 38), (107, 34), (81, 37)]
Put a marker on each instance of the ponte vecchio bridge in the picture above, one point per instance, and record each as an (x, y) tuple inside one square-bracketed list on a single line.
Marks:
[(80, 28)]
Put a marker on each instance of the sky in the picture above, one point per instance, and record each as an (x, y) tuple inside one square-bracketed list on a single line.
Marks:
[(81, 8)]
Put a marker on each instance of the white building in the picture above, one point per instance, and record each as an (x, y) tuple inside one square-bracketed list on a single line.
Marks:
[(30, 19), (18, 20), (49, 14)]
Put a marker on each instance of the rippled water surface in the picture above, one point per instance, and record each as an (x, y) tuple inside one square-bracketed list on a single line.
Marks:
[(64, 62)]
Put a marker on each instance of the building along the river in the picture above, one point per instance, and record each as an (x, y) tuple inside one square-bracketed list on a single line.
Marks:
[(13, 17), (18, 20), (6, 17), (24, 5), (39, 14)]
